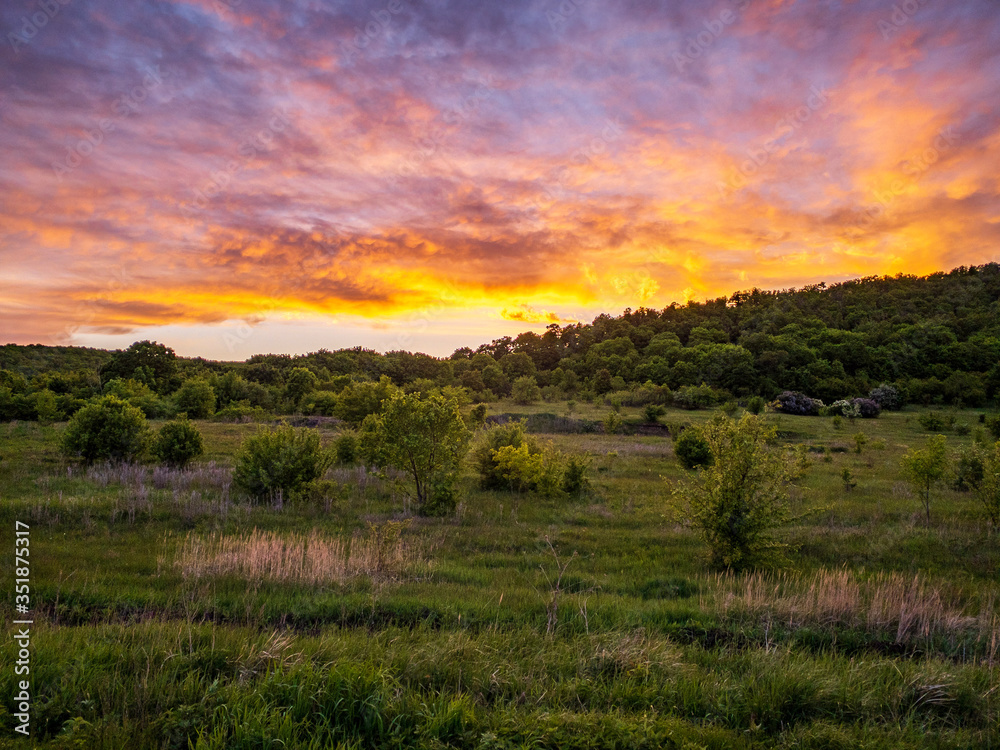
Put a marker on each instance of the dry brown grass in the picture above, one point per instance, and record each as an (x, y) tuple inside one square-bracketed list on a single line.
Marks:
[(910, 607), (314, 558)]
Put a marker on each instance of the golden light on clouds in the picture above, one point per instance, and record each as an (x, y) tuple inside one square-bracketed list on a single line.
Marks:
[(477, 167)]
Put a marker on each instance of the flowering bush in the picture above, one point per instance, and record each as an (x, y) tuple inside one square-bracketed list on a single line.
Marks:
[(793, 402), (869, 408), (886, 396)]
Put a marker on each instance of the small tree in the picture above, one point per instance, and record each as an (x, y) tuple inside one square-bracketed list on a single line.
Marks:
[(280, 461), (196, 397), (178, 443), (525, 390), (738, 500), (423, 437), (927, 467), (300, 382), (988, 489), (107, 430)]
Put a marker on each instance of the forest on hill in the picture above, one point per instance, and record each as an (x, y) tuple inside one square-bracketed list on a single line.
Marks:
[(935, 338)]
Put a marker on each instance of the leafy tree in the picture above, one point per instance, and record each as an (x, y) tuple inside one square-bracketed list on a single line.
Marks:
[(178, 443), (300, 382), (736, 502), (517, 365), (988, 489), (926, 467), (525, 390), (145, 361), (196, 397), (358, 400), (107, 430), (279, 462), (423, 437)]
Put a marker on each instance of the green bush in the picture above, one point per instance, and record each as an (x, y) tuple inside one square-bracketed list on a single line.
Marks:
[(196, 398), (107, 430), (178, 443), (756, 404), (279, 462), (505, 457), (477, 416), (492, 439), (738, 500), (574, 479), (345, 448), (525, 390), (697, 397), (653, 412), (691, 449), (933, 421), (613, 423), (240, 411), (992, 422), (358, 400)]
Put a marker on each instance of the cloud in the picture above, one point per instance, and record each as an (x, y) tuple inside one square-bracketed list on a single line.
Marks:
[(543, 159)]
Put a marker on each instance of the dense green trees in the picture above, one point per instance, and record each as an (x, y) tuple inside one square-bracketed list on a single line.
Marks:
[(897, 340)]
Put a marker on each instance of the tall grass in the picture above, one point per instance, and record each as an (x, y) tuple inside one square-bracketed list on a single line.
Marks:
[(312, 558), (909, 608)]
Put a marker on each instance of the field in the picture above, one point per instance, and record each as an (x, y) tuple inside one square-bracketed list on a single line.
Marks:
[(171, 614)]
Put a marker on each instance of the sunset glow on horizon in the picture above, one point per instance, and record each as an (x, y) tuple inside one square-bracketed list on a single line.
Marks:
[(248, 176)]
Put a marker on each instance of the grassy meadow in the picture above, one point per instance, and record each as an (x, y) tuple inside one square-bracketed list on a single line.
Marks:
[(169, 613)]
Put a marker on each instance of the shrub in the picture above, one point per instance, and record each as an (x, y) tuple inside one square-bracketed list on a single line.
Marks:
[(926, 467), (323, 403), (345, 448), (843, 408), (696, 397), (178, 443), (613, 422), (860, 441), (240, 411), (423, 437), (988, 490), (691, 449), (525, 390), (107, 430), (279, 462), (505, 457), (358, 400), (992, 422), (838, 421), (492, 439), (793, 402), (526, 471), (867, 408), (736, 501), (756, 404), (574, 480), (477, 416), (933, 421), (887, 397), (653, 412), (196, 398), (969, 470)]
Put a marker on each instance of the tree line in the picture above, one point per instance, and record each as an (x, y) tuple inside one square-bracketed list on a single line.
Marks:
[(935, 338)]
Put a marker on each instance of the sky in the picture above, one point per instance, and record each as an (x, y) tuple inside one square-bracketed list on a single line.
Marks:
[(231, 177)]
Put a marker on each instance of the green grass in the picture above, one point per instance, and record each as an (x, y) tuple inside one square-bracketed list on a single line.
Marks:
[(645, 652)]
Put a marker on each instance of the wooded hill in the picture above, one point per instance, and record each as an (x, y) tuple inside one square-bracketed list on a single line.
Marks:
[(937, 338)]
